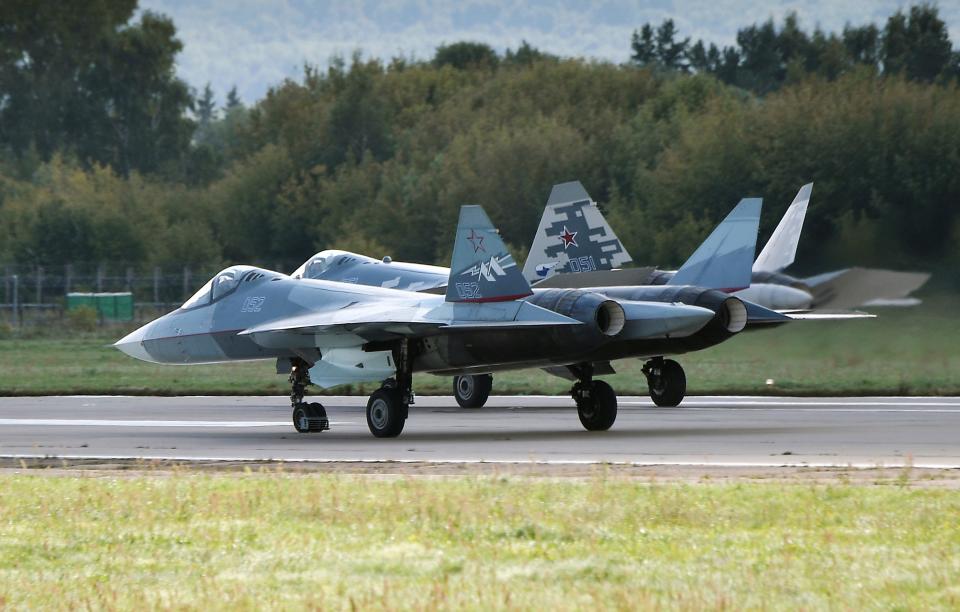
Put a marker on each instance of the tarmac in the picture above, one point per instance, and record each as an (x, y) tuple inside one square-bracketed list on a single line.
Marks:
[(922, 432)]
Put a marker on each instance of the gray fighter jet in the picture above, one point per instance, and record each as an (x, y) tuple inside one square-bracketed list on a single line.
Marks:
[(575, 248), (722, 262), (595, 247), (489, 319)]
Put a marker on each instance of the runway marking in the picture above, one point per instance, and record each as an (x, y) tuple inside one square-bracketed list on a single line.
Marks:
[(859, 465), (681, 409), (878, 406), (134, 423)]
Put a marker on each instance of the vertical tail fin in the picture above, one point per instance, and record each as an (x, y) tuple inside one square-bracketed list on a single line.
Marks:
[(573, 236), (481, 269), (781, 249), (725, 258)]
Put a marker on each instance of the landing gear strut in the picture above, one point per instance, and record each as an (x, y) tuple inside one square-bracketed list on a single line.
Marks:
[(596, 401), (387, 406), (307, 417), (472, 391), (666, 381)]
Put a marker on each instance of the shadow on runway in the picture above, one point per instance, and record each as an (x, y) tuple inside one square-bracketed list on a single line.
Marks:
[(411, 435)]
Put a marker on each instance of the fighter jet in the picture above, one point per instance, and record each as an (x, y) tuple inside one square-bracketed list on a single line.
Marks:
[(489, 319), (840, 289), (722, 262), (594, 246), (576, 249)]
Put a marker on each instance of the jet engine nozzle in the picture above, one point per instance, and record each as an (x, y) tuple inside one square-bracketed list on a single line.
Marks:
[(602, 317), (733, 315), (610, 318)]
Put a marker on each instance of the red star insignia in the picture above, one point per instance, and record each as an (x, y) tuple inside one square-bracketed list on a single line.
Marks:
[(477, 241), (568, 237)]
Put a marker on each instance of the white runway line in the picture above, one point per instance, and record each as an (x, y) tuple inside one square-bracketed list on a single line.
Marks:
[(809, 403), (760, 408), (134, 423)]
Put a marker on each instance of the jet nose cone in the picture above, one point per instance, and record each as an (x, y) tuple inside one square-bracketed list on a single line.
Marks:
[(132, 344)]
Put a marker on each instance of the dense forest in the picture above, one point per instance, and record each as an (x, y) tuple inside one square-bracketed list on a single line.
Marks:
[(106, 155)]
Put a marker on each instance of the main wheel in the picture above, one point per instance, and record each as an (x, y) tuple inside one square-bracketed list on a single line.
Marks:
[(597, 406), (472, 391), (669, 385), (309, 418), (386, 413)]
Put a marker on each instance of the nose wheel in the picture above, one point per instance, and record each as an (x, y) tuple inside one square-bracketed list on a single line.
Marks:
[(310, 418), (307, 417)]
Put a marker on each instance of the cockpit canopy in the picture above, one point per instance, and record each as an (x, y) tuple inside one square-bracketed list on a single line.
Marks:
[(317, 266), (226, 282)]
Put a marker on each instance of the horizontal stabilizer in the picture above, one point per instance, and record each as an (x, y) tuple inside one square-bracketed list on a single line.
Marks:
[(725, 258), (481, 269), (855, 287), (781, 249), (761, 315), (572, 237), (830, 316)]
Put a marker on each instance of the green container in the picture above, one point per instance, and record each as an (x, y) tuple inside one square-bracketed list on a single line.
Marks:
[(109, 306)]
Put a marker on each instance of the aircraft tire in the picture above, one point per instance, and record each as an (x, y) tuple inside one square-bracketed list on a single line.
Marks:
[(310, 418), (386, 413), (472, 391), (669, 388), (598, 410)]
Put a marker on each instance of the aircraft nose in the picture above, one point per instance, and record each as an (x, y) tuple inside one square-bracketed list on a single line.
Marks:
[(132, 344)]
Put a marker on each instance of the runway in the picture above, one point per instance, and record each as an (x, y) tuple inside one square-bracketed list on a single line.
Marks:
[(720, 431)]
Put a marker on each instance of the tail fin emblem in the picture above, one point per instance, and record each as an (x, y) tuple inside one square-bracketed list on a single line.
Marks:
[(477, 241), (569, 238)]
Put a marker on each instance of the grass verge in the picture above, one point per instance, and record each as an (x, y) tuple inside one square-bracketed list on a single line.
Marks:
[(903, 352), (279, 541)]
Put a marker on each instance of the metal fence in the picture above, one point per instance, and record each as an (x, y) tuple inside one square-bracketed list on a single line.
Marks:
[(34, 295)]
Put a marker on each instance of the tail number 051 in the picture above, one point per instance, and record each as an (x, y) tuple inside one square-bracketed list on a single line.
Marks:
[(583, 264)]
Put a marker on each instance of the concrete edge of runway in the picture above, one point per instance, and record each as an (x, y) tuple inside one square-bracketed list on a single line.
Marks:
[(187, 460)]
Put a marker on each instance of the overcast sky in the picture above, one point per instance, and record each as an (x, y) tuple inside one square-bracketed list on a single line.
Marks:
[(255, 44)]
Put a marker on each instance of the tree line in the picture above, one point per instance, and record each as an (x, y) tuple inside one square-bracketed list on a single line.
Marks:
[(377, 156)]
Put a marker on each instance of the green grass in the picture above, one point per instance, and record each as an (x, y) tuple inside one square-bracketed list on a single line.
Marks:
[(322, 541), (904, 351)]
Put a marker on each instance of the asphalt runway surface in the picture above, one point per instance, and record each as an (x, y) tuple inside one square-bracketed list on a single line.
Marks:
[(722, 431)]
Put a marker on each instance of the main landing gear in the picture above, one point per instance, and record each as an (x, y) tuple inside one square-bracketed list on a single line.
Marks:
[(596, 401), (387, 406), (666, 381), (472, 391), (307, 417)]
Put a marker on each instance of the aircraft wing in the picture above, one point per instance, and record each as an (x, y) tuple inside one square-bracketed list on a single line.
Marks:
[(855, 287), (383, 321)]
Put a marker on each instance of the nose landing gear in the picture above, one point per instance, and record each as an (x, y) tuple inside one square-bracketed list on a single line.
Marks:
[(307, 417)]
